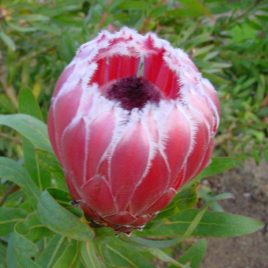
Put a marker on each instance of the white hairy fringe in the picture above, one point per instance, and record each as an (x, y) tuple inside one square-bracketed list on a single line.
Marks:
[(211, 103)]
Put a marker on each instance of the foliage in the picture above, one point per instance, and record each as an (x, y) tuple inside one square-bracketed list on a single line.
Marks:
[(39, 226)]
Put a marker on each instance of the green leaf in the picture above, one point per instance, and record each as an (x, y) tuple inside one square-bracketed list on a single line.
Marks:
[(3, 252), (12, 171), (28, 104), (8, 41), (20, 251), (29, 127), (186, 198), (89, 256), (118, 253), (132, 5), (32, 228), (52, 251), (69, 256), (6, 105), (8, 218), (60, 220), (65, 200), (35, 17), (195, 254), (48, 162), (62, 197), (161, 255), (212, 224), (195, 222), (217, 166), (152, 243)]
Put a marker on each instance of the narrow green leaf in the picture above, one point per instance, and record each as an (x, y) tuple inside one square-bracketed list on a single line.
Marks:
[(153, 243), (212, 224), (20, 251), (89, 256), (52, 251), (3, 252), (195, 254), (21, 29), (40, 174), (186, 198), (28, 104), (29, 127), (118, 253), (69, 255), (32, 228), (195, 222), (217, 166), (6, 107), (9, 217), (48, 162), (60, 220), (8, 41), (35, 17), (12, 171), (161, 255)]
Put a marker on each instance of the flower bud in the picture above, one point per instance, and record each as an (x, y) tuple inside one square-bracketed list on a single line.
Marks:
[(131, 121)]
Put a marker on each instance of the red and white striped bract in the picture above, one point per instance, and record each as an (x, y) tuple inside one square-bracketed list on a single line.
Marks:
[(131, 121)]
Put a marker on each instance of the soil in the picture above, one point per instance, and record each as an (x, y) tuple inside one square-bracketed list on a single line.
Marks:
[(249, 185)]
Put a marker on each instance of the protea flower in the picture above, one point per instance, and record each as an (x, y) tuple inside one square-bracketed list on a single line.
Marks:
[(131, 121)]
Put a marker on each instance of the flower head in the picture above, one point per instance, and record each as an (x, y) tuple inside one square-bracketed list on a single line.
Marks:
[(131, 120)]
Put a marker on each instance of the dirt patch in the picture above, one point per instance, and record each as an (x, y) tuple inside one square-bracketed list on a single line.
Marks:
[(249, 185)]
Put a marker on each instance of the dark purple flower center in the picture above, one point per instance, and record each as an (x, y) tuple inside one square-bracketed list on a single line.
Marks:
[(133, 92)]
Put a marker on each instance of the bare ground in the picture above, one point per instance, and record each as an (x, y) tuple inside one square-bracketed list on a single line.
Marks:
[(249, 185)]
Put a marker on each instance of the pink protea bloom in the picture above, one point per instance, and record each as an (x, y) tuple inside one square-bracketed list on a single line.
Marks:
[(131, 121)]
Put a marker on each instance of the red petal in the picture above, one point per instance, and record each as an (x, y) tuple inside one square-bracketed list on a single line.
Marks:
[(152, 63), (73, 148), (212, 93), (101, 74), (91, 213), (200, 103), (206, 158), (162, 202), (114, 67), (122, 219), (122, 66), (142, 220), (152, 186), (167, 81), (65, 109), (196, 157), (178, 141), (52, 133), (63, 77), (100, 136), (128, 163), (178, 182), (72, 187), (98, 196)]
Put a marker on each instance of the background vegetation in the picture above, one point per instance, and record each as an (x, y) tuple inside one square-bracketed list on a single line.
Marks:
[(228, 41)]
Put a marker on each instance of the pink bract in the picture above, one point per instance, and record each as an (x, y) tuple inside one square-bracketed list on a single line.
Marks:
[(124, 165)]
